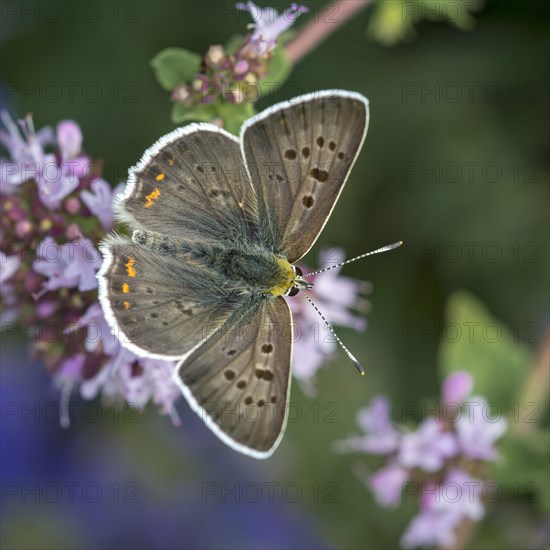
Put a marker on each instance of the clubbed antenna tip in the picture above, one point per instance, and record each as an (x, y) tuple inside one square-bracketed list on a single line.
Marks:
[(377, 251)]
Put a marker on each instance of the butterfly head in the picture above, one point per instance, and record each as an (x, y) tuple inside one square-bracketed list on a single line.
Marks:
[(289, 279), (299, 283)]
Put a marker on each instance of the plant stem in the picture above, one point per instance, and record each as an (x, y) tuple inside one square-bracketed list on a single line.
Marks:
[(463, 535), (321, 26)]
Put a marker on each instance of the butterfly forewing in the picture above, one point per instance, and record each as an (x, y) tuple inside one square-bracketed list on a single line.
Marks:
[(192, 183), (299, 154), (238, 380), (159, 304)]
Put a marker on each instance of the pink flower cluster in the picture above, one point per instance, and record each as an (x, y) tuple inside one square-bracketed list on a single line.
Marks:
[(223, 72), (436, 462), (55, 208)]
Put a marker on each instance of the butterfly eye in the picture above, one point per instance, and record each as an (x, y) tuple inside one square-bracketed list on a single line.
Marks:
[(293, 291), (298, 271)]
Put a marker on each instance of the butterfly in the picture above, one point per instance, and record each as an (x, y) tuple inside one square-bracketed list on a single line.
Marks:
[(218, 223)]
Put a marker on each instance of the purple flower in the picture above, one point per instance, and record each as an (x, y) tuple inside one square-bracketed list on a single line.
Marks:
[(125, 375), (56, 182), (8, 266), (69, 139), (117, 380), (106, 381), (268, 25), (460, 494), (156, 383), (477, 431), (68, 374), (72, 265), (431, 528), (387, 485), (444, 506), (100, 200), (26, 150), (338, 294), (381, 437), (98, 331), (29, 161), (456, 387), (336, 297), (428, 447)]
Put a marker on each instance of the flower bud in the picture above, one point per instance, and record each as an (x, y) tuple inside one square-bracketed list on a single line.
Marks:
[(215, 54)]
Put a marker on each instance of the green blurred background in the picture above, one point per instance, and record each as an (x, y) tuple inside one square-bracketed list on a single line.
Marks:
[(488, 146)]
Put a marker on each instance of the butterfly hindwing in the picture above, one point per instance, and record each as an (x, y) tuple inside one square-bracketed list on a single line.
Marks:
[(299, 154), (192, 183), (161, 304), (238, 381)]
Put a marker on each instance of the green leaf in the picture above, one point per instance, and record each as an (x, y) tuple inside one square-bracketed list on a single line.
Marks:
[(197, 113), (522, 470), (279, 70), (233, 115), (173, 66), (475, 341)]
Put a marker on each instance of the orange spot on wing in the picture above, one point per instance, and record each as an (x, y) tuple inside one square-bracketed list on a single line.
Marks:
[(130, 267), (160, 177), (126, 304), (152, 197), (125, 288)]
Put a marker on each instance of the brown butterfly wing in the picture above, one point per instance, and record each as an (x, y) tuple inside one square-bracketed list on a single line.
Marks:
[(299, 154), (238, 380)]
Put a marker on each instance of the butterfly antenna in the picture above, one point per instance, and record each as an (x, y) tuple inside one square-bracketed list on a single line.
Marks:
[(377, 251), (348, 352)]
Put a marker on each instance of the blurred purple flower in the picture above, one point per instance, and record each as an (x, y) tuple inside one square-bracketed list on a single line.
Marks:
[(118, 379), (456, 387), (337, 297), (98, 331), (444, 506), (71, 265), (68, 375), (100, 200), (340, 295), (477, 431), (55, 182), (431, 528), (381, 436), (435, 447), (69, 139), (428, 447), (460, 494), (55, 178), (269, 25), (97, 361), (125, 375), (387, 485), (26, 150), (8, 266)]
